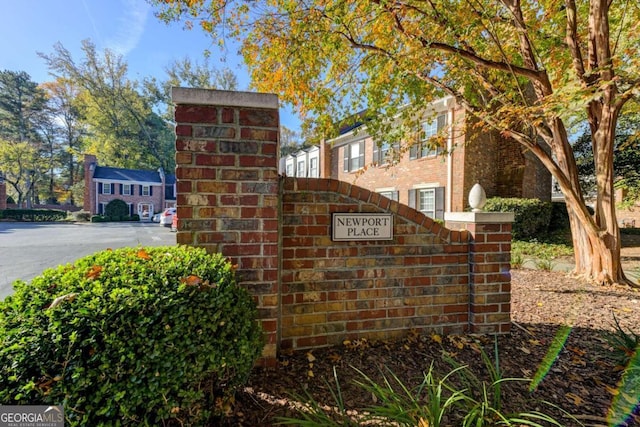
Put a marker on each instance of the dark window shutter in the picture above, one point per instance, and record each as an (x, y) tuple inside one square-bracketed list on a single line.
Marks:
[(345, 151), (412, 199), (99, 188), (151, 190), (113, 189), (121, 186), (440, 203), (140, 190)]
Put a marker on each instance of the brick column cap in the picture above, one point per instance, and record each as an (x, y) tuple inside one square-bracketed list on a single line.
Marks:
[(480, 217), (226, 98)]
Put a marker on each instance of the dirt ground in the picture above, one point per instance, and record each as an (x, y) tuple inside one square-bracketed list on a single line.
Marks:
[(581, 378)]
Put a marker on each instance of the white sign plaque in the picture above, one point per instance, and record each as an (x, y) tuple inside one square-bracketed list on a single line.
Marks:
[(361, 226)]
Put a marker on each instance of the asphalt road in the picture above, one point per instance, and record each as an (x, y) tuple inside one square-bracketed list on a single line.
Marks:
[(26, 249)]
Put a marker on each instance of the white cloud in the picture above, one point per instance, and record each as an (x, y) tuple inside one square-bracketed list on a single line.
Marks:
[(130, 26)]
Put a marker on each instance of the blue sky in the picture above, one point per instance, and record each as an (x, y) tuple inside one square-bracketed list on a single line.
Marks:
[(127, 27)]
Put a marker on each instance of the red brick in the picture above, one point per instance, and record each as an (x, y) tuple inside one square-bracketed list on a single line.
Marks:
[(183, 130), (196, 114), (259, 117)]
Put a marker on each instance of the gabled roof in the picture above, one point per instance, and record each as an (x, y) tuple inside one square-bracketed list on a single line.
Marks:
[(132, 175)]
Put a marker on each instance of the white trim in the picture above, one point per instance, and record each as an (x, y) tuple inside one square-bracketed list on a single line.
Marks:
[(181, 95), (449, 190), (480, 217), (385, 189), (423, 186)]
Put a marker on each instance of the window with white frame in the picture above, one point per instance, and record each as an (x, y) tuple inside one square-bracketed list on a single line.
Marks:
[(426, 146), (300, 170), (354, 156), (428, 200), (106, 189), (145, 190), (313, 167), (126, 189), (289, 171), (101, 208), (390, 194)]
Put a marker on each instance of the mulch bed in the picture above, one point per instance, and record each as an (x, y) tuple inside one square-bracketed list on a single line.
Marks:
[(581, 378)]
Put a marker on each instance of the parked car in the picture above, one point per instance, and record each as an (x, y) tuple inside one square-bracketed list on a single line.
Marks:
[(156, 217), (166, 217), (174, 222)]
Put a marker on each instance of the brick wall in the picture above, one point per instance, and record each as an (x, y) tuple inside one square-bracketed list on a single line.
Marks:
[(310, 290), (336, 290)]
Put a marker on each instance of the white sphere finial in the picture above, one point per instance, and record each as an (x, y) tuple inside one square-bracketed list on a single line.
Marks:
[(477, 198)]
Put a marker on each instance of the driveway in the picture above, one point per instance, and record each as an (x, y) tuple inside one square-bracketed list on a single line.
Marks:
[(26, 249)]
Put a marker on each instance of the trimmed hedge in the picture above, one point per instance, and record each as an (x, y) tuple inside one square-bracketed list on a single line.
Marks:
[(116, 209), (531, 216), (34, 215), (134, 336)]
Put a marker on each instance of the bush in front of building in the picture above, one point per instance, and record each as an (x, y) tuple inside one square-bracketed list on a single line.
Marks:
[(531, 216), (34, 215), (116, 209), (134, 336)]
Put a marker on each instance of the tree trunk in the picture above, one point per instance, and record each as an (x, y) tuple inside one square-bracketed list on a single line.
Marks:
[(597, 254)]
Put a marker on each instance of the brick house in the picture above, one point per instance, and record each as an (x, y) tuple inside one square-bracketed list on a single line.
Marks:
[(431, 179), (145, 192)]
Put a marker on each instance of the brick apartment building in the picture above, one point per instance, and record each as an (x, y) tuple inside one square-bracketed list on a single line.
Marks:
[(302, 164), (145, 192), (431, 179)]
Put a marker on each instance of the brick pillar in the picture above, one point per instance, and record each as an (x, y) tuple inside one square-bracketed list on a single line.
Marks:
[(227, 184), (489, 268)]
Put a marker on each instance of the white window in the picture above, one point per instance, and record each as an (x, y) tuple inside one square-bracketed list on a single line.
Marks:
[(391, 194), (428, 200), (126, 189), (146, 190), (427, 146), (289, 169), (106, 189), (300, 171), (313, 167), (354, 156)]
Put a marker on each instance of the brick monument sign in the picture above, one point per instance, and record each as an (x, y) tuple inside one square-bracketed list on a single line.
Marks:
[(326, 260)]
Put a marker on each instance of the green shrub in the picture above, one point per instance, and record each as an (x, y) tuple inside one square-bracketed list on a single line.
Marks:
[(134, 336), (34, 215), (116, 208), (531, 216), (98, 218)]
